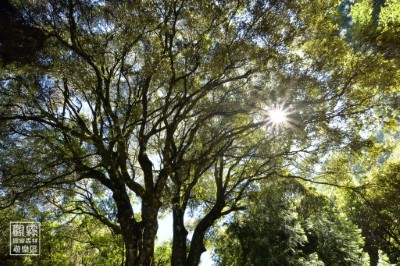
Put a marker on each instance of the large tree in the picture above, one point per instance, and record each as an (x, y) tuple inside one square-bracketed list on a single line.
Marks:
[(288, 223), (375, 207), (133, 108)]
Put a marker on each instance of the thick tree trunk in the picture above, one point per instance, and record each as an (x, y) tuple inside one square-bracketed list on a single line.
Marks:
[(373, 256), (180, 233), (139, 237), (131, 252), (131, 235), (372, 251), (130, 229), (150, 208), (196, 249), (197, 244)]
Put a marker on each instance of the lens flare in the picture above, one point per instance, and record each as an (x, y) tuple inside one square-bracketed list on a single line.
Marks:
[(277, 116)]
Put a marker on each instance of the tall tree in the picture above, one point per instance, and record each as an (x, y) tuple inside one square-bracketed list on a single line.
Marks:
[(375, 210), (288, 223), (371, 173), (137, 107)]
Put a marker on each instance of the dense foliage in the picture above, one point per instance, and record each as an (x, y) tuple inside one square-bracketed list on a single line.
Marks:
[(290, 224), (65, 239), (114, 113)]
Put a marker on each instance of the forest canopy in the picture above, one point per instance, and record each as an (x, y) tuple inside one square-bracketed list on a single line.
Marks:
[(267, 130)]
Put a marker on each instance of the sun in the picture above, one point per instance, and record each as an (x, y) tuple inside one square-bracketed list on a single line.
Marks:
[(277, 116)]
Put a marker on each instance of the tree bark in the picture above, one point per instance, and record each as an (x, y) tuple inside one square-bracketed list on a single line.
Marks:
[(372, 251), (150, 208), (180, 233), (197, 244), (129, 227)]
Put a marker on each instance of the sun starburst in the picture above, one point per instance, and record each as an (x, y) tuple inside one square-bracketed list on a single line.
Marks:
[(277, 117)]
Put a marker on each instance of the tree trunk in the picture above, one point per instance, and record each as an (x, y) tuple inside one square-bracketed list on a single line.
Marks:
[(372, 251), (373, 256), (130, 229), (196, 249), (179, 236), (139, 237), (150, 208), (197, 244), (131, 252)]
